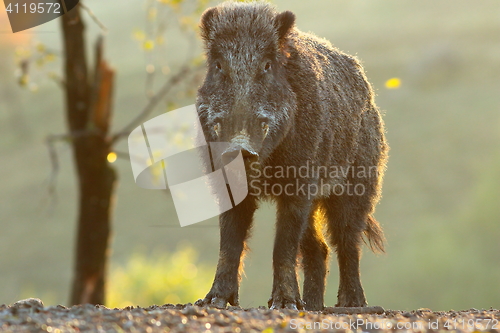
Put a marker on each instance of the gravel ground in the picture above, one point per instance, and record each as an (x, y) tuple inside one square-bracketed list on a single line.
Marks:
[(31, 316)]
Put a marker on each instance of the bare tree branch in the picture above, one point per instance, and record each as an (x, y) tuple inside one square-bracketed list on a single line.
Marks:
[(50, 141), (94, 18), (123, 155), (153, 102)]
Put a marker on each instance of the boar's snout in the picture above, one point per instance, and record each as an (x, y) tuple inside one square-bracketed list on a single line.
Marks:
[(234, 149)]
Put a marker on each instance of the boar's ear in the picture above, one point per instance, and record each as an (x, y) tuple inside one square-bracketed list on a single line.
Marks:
[(206, 22), (284, 22)]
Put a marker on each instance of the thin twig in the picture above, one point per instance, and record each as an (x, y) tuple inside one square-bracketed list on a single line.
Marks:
[(153, 101), (59, 81), (54, 158), (94, 18), (123, 155), (74, 135), (54, 162)]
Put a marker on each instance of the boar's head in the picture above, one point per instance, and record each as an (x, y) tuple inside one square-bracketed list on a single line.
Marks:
[(246, 98)]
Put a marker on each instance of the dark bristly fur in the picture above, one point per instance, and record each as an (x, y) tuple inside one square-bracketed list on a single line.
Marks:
[(287, 98)]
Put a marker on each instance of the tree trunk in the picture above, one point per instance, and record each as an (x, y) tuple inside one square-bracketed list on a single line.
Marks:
[(88, 113)]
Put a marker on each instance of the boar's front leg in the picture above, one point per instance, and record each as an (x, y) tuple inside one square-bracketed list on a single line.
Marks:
[(234, 227), (292, 215)]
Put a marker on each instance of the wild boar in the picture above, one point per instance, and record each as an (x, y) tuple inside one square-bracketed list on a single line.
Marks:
[(290, 101)]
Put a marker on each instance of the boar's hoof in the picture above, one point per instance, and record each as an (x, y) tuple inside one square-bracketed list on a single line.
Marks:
[(352, 303), (215, 302), (279, 303), (351, 297)]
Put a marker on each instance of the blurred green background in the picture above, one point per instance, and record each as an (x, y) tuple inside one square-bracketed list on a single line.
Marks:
[(441, 199)]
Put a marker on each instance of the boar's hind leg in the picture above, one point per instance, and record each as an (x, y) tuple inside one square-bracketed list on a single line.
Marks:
[(314, 252), (234, 227), (292, 216), (347, 216)]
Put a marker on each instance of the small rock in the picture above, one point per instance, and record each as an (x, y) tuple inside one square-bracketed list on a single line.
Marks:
[(168, 306), (28, 303), (191, 311), (212, 311)]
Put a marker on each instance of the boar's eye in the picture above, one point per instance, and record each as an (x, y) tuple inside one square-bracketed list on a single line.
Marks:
[(267, 67), (218, 65), (265, 128), (216, 129)]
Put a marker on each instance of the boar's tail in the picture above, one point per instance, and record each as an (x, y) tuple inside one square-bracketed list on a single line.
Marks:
[(375, 235)]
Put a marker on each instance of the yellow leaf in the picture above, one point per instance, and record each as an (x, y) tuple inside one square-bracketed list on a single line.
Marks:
[(40, 47), (139, 35), (24, 80), (40, 62), (187, 22), (160, 40), (152, 13), (174, 4), (148, 45), (393, 83), (22, 52), (50, 57)]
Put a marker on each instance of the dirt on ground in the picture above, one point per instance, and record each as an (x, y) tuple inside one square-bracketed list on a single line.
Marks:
[(32, 316)]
